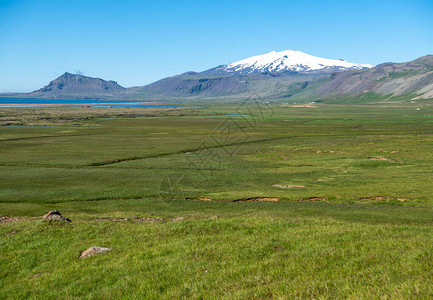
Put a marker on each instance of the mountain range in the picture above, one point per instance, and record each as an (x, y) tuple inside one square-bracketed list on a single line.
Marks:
[(288, 75), (287, 61)]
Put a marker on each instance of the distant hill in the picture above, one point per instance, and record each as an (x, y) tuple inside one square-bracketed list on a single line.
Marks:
[(75, 86), (288, 75)]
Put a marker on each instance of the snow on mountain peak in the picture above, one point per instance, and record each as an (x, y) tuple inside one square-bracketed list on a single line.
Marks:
[(289, 60)]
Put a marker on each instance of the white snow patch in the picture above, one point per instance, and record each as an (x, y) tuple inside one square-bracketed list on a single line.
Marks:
[(290, 60)]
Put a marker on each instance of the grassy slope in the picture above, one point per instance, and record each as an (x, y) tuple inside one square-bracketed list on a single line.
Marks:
[(343, 247)]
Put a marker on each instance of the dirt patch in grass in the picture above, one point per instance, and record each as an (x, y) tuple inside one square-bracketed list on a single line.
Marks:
[(312, 199), (380, 159), (325, 151), (133, 219), (8, 219), (258, 199), (382, 198), (287, 186), (200, 198), (375, 198), (278, 248), (403, 199)]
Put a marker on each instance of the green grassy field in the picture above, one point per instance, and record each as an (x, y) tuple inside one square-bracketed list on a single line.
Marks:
[(354, 216)]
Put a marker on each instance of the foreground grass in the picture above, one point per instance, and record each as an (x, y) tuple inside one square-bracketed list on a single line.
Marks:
[(253, 250), (367, 233)]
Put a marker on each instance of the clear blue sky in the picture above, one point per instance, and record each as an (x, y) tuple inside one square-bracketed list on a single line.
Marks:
[(138, 42)]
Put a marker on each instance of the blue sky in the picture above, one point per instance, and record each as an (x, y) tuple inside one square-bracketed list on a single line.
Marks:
[(138, 42)]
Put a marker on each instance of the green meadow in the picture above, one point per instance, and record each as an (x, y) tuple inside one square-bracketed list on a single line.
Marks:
[(351, 214)]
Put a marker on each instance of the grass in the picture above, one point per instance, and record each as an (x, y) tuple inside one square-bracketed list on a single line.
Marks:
[(61, 116), (253, 250), (348, 244)]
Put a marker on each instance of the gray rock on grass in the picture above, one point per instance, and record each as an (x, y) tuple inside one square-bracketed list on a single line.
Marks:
[(55, 215), (94, 250)]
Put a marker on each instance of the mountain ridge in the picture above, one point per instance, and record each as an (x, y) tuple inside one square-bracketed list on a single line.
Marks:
[(386, 80), (393, 79)]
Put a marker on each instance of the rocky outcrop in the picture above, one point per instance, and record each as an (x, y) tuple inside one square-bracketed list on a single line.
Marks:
[(8, 219)]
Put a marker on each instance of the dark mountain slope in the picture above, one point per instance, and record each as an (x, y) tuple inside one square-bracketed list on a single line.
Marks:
[(393, 79), (70, 86), (195, 86)]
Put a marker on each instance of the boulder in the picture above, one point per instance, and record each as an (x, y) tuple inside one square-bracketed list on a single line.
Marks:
[(93, 251), (55, 215)]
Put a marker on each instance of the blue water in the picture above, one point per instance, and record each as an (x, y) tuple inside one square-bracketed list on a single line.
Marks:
[(19, 102)]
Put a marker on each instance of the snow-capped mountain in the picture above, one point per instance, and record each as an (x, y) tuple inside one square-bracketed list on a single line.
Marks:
[(288, 74), (288, 61)]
